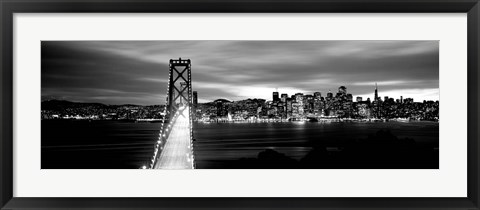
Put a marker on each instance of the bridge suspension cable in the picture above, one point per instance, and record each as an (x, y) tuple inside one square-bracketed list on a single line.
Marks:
[(174, 147)]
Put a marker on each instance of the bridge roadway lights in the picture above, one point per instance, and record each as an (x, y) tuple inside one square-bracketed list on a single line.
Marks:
[(179, 97)]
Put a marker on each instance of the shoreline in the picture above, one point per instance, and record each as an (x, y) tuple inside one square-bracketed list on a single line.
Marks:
[(252, 121), (315, 121)]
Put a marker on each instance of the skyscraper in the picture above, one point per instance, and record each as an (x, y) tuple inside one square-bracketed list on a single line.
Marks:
[(376, 103), (195, 99), (329, 95), (284, 97), (342, 90), (349, 97), (275, 96), (289, 107), (195, 104), (298, 106), (299, 98)]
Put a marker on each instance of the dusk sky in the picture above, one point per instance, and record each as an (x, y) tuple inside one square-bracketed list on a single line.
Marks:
[(136, 72)]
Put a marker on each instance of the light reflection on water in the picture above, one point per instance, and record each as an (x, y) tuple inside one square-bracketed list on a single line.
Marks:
[(217, 142), (113, 144)]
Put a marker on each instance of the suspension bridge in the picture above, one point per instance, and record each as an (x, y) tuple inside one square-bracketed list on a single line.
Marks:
[(174, 147)]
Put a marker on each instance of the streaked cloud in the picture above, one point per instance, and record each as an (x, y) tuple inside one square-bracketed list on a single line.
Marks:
[(136, 71)]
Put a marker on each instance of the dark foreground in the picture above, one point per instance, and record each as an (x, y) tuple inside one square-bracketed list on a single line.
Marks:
[(71, 144)]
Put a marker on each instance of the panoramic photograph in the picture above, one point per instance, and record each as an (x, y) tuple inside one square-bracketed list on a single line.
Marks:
[(240, 104)]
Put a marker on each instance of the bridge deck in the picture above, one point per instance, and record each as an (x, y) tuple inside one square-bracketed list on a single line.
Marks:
[(177, 152)]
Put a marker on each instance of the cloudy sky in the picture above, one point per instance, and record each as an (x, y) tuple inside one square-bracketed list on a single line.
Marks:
[(136, 72)]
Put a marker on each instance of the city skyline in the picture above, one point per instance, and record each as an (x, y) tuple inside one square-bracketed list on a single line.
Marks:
[(136, 72), (323, 95)]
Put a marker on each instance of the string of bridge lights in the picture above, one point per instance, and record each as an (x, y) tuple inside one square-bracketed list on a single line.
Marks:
[(161, 133), (164, 130), (191, 114)]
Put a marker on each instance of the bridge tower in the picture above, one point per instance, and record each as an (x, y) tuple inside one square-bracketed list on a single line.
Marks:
[(179, 105), (179, 85)]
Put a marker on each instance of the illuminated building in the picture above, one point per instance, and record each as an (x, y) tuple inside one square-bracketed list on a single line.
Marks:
[(408, 101), (289, 107), (299, 98), (363, 110), (308, 106), (295, 109), (317, 106)]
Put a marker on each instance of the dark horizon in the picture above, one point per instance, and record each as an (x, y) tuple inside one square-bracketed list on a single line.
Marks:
[(87, 102)]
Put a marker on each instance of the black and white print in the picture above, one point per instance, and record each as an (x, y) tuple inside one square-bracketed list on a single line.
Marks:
[(240, 104)]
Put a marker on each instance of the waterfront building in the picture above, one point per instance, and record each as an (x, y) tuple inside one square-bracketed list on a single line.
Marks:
[(289, 107), (317, 108), (221, 106), (309, 104), (363, 111), (295, 109)]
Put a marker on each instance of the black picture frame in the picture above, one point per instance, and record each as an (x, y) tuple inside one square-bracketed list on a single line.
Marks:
[(9, 7)]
